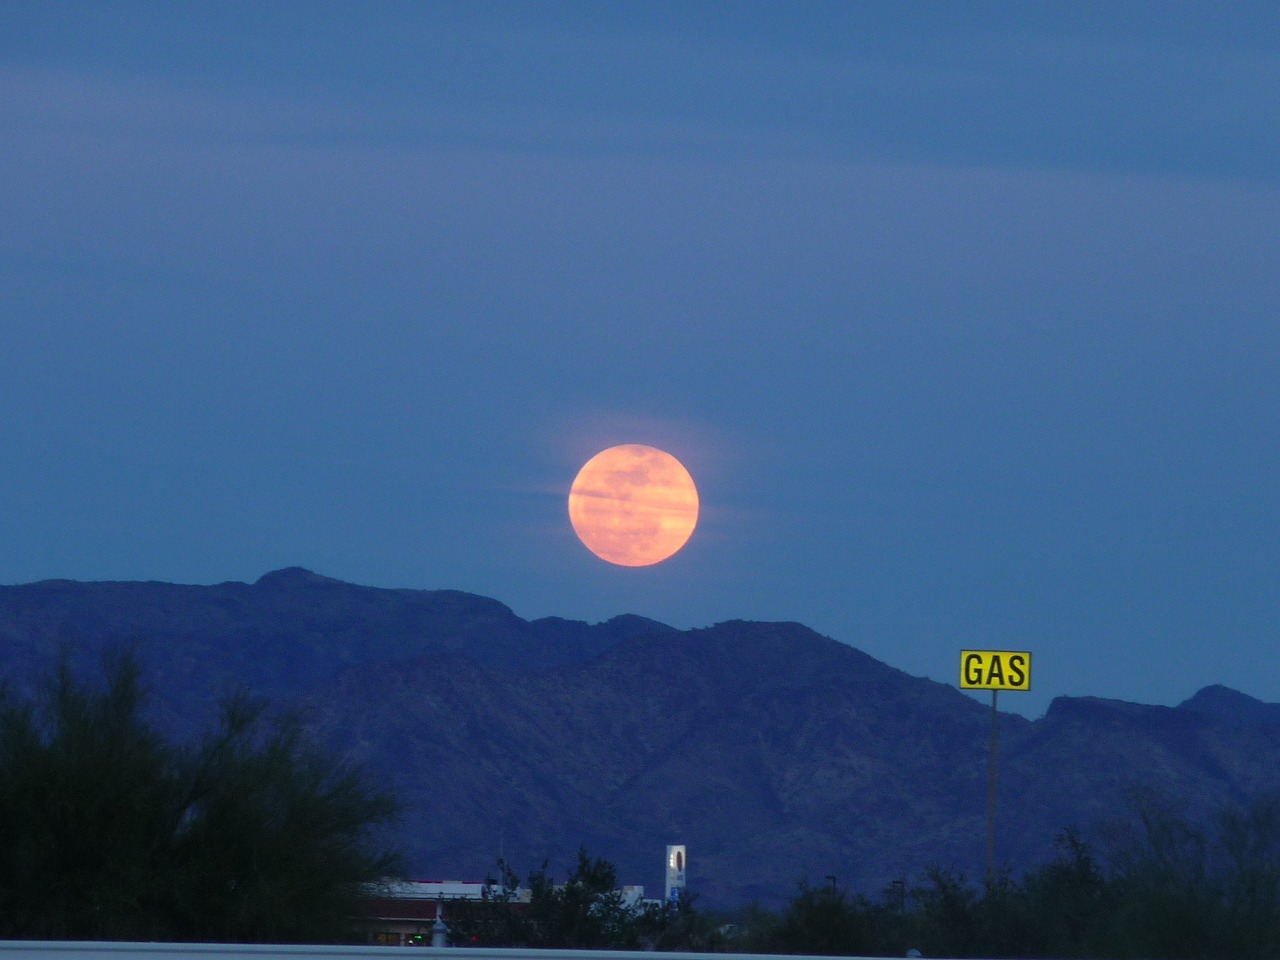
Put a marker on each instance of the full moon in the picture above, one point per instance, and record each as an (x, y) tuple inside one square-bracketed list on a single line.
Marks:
[(633, 505)]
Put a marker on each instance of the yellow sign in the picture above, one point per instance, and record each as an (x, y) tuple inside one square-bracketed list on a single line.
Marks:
[(995, 670)]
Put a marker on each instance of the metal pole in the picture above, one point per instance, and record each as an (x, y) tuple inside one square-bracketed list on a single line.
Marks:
[(991, 794)]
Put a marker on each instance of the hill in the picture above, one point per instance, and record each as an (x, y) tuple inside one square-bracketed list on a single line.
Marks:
[(776, 754)]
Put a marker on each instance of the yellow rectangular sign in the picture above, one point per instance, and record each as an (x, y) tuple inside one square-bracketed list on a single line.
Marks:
[(995, 670)]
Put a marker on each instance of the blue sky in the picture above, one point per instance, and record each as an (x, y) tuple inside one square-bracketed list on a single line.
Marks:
[(962, 316)]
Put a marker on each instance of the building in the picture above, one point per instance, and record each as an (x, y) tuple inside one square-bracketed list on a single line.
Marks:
[(403, 912)]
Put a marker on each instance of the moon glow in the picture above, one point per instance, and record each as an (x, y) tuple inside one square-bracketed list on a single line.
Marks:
[(633, 505)]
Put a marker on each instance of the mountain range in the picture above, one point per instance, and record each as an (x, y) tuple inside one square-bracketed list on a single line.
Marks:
[(775, 754)]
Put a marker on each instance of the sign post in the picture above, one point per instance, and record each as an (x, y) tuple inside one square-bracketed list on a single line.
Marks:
[(994, 670)]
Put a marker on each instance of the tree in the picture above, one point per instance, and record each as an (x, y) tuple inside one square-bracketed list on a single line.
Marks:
[(1070, 908), (587, 911), (946, 923), (821, 921), (498, 919), (1249, 863), (107, 831), (681, 927), (1161, 875)]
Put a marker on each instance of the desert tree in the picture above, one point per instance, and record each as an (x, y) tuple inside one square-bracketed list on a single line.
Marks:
[(110, 831), (821, 921)]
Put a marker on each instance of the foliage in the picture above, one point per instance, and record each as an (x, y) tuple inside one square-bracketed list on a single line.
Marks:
[(821, 921), (945, 922), (497, 919), (681, 927), (107, 831), (587, 911), (1069, 904), (1163, 887)]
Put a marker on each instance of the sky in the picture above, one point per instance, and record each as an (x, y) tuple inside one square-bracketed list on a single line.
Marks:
[(963, 317)]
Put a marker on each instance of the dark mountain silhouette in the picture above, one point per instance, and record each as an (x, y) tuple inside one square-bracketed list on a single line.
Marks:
[(1232, 707), (776, 754), (278, 637)]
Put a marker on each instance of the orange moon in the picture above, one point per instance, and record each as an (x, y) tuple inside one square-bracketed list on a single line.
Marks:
[(633, 505)]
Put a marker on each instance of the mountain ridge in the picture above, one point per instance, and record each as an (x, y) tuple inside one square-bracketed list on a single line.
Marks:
[(774, 752)]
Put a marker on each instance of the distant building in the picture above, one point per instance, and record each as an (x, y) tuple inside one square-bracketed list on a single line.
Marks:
[(676, 855), (402, 912)]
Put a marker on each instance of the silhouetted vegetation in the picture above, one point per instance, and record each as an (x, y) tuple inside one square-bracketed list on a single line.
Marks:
[(108, 831), (586, 911), (1162, 887)]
